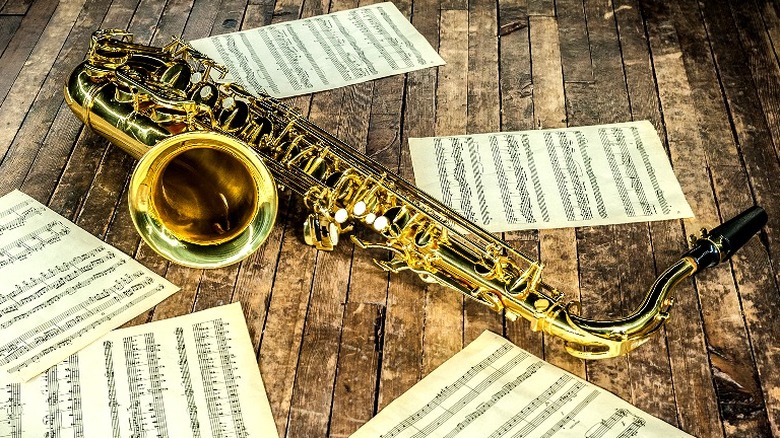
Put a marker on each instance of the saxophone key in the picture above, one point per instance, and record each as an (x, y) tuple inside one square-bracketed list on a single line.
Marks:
[(341, 215), (320, 232), (381, 223), (359, 209)]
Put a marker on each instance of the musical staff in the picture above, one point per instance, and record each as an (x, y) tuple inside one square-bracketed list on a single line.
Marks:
[(494, 389), (633, 428), (592, 175), (167, 379), (11, 411), (186, 380), (65, 417), (62, 288), (322, 52), (602, 427), (22, 248), (144, 382), (50, 406), (17, 215), (448, 391), (217, 369)]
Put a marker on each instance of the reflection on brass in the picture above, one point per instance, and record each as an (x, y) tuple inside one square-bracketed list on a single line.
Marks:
[(202, 194)]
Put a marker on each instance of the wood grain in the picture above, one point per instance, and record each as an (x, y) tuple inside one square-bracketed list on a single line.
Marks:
[(338, 339)]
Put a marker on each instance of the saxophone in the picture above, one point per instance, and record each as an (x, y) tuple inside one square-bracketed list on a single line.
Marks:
[(211, 156)]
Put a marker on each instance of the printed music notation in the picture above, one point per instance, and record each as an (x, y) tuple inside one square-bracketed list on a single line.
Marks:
[(591, 175), (322, 52), (194, 375), (62, 288), (494, 389)]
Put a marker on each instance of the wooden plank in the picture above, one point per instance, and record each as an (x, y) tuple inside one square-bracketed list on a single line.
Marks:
[(558, 248), (105, 195), (354, 399), (763, 63), (172, 22), (543, 8), (358, 360), (201, 21), (516, 85), (735, 376), (650, 372), (610, 288), (48, 149), (261, 272), (371, 115), (25, 40), (16, 7), (749, 123), (230, 17), (483, 116), (517, 112), (110, 183), (697, 403), (344, 112), (287, 314), (33, 72), (289, 289), (315, 376), (575, 46), (768, 11), (89, 149), (443, 307), (258, 14), (403, 345), (454, 5), (8, 26)]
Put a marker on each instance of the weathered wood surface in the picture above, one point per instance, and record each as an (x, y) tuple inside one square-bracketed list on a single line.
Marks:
[(337, 339)]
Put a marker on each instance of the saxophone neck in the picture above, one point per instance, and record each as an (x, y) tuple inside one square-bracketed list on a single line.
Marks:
[(599, 339), (596, 339)]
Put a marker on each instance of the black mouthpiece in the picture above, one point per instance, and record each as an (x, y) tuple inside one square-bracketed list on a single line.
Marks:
[(731, 236)]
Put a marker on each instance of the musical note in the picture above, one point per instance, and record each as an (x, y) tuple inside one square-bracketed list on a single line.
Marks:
[(602, 427), (494, 389), (133, 387), (552, 178), (322, 52), (62, 288)]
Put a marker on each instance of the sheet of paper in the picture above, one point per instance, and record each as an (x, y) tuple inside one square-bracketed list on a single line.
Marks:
[(191, 376), (61, 288), (322, 52), (556, 178), (493, 389)]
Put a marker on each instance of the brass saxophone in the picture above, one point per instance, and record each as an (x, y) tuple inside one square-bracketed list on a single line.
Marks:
[(204, 192)]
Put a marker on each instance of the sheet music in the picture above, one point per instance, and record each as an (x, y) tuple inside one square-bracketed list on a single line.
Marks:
[(191, 376), (61, 288), (592, 175), (322, 52), (493, 389)]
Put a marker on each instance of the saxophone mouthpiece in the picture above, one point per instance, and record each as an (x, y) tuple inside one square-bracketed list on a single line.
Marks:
[(725, 239)]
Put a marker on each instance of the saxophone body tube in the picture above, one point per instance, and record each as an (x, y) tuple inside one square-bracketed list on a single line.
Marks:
[(212, 156)]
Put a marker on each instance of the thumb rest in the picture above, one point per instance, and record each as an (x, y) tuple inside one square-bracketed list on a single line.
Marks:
[(204, 192)]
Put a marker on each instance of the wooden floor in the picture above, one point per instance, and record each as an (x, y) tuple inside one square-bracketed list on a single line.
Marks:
[(337, 338)]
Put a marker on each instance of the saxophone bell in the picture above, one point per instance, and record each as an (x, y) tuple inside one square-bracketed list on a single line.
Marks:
[(198, 197), (202, 199)]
